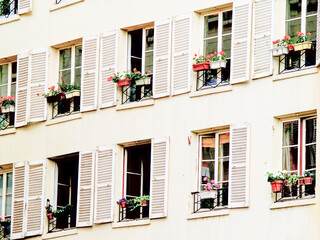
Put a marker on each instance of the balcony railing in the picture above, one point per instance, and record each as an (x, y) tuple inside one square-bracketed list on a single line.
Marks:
[(298, 60), (8, 8), (6, 120), (136, 93), (219, 200), (65, 107), (5, 227), (127, 213)]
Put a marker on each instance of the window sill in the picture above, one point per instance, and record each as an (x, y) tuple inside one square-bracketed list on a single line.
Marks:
[(303, 72), (62, 233), (64, 119), (64, 4), (7, 131), (200, 93), (293, 203), (135, 105), (214, 213), (131, 223), (9, 19)]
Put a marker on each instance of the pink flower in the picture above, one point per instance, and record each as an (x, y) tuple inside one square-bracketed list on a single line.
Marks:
[(222, 53), (205, 179), (195, 54), (13, 98), (109, 79), (215, 53), (216, 185), (205, 187), (212, 181), (38, 94), (209, 188), (149, 72), (59, 88), (52, 87), (114, 74), (137, 72), (308, 33), (134, 69)]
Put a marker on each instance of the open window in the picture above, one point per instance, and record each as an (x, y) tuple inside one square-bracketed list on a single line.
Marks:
[(5, 200)]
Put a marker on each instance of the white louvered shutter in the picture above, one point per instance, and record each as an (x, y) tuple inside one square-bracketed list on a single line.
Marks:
[(318, 36), (22, 90), (85, 189), (35, 198), (24, 6), (38, 85), (262, 38), (241, 35), (181, 54), (159, 177), (89, 76), (18, 201), (162, 57), (103, 211), (239, 166), (108, 66)]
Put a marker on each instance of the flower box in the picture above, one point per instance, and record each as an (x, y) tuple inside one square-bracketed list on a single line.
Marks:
[(124, 82), (7, 109), (279, 51), (307, 180), (302, 46), (73, 93), (5, 224), (56, 98), (143, 81), (277, 185), (208, 194), (218, 64), (201, 66)]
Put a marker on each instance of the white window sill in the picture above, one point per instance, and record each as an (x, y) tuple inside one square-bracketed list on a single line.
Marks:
[(62, 233), (293, 203), (12, 18), (66, 3), (213, 213), (291, 74), (131, 223), (7, 131), (131, 105), (225, 88), (64, 119)]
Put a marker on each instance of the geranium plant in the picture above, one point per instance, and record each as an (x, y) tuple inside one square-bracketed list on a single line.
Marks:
[(200, 59), (303, 38), (52, 91), (217, 56), (210, 185), (7, 101), (275, 176)]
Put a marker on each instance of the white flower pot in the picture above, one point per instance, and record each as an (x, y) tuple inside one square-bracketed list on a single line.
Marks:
[(143, 81), (302, 46), (73, 93), (208, 194), (10, 108), (278, 51), (218, 64)]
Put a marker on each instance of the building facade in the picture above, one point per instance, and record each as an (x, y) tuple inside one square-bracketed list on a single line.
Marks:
[(77, 152)]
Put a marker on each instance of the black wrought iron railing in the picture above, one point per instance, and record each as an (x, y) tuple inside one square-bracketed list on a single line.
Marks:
[(219, 200), (129, 212), (6, 120), (5, 227), (60, 223), (299, 190), (297, 60), (65, 107), (8, 8), (136, 93)]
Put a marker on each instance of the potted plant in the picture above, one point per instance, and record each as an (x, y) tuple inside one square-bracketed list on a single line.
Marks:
[(54, 95), (200, 63), (7, 104), (144, 79), (303, 42), (282, 47), (301, 180), (276, 181), (64, 211), (307, 178), (218, 60), (138, 202), (122, 202), (4, 222), (71, 90), (209, 189), (119, 79)]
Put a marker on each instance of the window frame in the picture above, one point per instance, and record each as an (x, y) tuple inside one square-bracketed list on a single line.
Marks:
[(13, 9), (4, 194), (9, 83)]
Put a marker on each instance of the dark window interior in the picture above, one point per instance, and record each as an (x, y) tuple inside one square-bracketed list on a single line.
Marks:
[(136, 49)]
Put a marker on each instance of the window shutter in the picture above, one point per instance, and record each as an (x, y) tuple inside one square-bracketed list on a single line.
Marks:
[(159, 177), (262, 42), (105, 161), (318, 36), (24, 6), (89, 76), (162, 56), (239, 166), (22, 90), (241, 32), (85, 189), (108, 66), (35, 199), (18, 201), (38, 84), (181, 59)]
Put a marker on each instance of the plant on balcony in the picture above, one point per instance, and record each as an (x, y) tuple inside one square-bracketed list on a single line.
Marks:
[(282, 47), (7, 104), (70, 90), (5, 7), (303, 42), (54, 95), (138, 202), (119, 79), (4, 222), (64, 211), (145, 79), (276, 179), (209, 189), (122, 202), (307, 178), (218, 60), (200, 63)]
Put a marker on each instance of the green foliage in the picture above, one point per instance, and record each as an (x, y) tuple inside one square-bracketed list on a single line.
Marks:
[(63, 211), (275, 176), (307, 174), (69, 87), (4, 7), (136, 202)]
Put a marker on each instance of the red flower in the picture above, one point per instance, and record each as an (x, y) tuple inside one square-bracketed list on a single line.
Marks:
[(215, 53), (194, 58), (109, 79), (308, 33), (286, 37), (290, 47), (211, 55), (137, 72), (52, 87), (149, 72), (134, 69), (222, 53), (59, 88), (114, 74), (13, 98), (195, 54), (38, 94), (274, 42)]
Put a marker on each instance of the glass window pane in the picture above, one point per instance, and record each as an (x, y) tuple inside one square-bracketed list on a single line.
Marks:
[(65, 58), (227, 22), (3, 90), (63, 195), (13, 90), (8, 205), (149, 39), (210, 46), (224, 140), (312, 6), (311, 130), (292, 27), (211, 25), (207, 170), (65, 76), (1, 185), (14, 72), (312, 26), (226, 45), (293, 9), (4, 75), (223, 169), (290, 133), (133, 184), (78, 50), (9, 183), (149, 62), (136, 43), (208, 148), (77, 77), (311, 156), (290, 158)]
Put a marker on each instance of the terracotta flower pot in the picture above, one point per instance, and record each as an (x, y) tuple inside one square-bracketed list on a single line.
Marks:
[(144, 203), (123, 204), (301, 181), (277, 186), (201, 66), (50, 216), (307, 180), (124, 82)]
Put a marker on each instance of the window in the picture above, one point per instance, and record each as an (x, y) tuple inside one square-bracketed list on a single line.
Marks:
[(140, 57), (217, 34), (8, 8), (5, 201), (8, 78)]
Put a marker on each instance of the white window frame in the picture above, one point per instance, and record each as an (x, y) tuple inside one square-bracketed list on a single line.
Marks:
[(73, 63), (4, 194), (143, 60), (9, 78)]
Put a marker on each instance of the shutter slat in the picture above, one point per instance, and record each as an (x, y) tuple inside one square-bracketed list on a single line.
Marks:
[(24, 6)]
